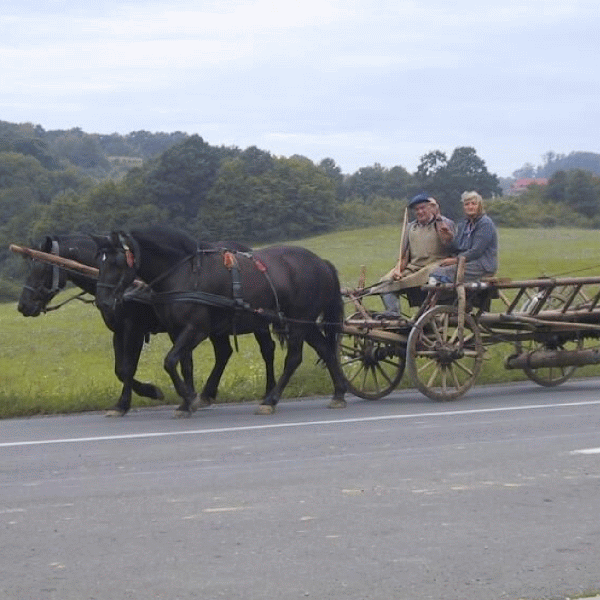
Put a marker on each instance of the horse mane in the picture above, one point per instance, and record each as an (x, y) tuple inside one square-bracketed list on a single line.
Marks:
[(166, 241)]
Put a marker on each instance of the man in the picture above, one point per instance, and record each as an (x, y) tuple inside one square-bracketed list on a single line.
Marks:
[(422, 250)]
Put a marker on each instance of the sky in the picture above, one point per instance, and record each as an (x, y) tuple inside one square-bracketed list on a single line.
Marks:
[(361, 82)]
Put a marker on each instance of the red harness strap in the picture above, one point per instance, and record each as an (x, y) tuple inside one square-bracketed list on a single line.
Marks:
[(260, 265)]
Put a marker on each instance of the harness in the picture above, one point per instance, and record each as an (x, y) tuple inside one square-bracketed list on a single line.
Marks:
[(236, 302)]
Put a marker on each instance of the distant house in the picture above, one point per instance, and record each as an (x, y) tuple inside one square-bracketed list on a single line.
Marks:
[(520, 185)]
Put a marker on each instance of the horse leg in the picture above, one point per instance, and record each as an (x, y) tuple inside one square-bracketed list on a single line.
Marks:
[(187, 370), (185, 341), (267, 350), (223, 351), (328, 355), (134, 343), (128, 342), (292, 361)]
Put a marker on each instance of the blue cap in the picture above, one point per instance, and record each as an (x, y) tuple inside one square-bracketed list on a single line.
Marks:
[(419, 199)]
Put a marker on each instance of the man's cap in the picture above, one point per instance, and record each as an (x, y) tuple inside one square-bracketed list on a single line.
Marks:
[(418, 199)]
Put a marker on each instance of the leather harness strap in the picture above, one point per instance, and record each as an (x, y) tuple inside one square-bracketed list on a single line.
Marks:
[(55, 269)]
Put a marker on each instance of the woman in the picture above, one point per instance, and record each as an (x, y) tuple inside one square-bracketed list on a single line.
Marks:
[(476, 239)]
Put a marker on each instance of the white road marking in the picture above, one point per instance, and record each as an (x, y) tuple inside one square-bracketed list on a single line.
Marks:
[(264, 426), (587, 451)]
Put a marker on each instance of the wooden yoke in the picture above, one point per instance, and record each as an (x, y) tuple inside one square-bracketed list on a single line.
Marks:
[(55, 260), (65, 263)]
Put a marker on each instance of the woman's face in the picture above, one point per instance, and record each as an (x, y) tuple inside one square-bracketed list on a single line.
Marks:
[(471, 208)]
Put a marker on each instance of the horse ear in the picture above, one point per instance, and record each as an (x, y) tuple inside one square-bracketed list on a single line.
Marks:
[(46, 245), (102, 241), (115, 239)]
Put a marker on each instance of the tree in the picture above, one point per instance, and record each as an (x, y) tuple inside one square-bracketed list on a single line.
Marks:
[(292, 199), (527, 171), (334, 172), (581, 193), (556, 190), (180, 178), (397, 182), (446, 179), (366, 183), (81, 149), (431, 164)]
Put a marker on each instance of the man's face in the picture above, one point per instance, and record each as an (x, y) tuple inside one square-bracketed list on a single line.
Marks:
[(423, 213)]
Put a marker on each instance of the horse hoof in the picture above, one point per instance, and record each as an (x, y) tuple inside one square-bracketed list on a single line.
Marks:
[(337, 403), (200, 402), (182, 414), (115, 412), (158, 394), (264, 409)]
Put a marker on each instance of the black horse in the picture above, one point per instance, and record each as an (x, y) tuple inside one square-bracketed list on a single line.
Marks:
[(131, 323), (198, 292)]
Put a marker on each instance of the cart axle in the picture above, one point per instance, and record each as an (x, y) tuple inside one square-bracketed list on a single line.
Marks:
[(548, 358)]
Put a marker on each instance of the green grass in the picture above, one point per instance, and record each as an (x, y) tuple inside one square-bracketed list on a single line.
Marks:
[(63, 362)]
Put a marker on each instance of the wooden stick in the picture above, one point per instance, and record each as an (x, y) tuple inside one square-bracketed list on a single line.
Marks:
[(55, 260), (404, 223), (66, 263)]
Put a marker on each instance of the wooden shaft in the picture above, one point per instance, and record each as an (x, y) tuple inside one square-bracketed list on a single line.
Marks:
[(66, 263), (55, 260)]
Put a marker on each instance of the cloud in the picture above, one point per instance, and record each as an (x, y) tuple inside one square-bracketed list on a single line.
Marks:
[(353, 80)]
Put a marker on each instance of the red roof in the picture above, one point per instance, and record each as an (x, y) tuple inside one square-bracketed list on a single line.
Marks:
[(527, 181)]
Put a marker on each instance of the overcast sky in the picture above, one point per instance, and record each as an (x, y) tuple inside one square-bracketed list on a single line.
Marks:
[(362, 82)]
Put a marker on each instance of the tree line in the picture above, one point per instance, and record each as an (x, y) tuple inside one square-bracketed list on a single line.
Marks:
[(65, 181)]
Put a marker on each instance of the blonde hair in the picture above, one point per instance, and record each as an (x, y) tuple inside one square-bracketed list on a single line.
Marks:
[(473, 195)]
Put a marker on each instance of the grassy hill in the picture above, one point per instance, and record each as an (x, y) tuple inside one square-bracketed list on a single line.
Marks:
[(62, 361)]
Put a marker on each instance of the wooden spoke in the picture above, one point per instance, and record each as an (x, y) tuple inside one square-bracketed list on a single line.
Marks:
[(372, 368), (440, 365)]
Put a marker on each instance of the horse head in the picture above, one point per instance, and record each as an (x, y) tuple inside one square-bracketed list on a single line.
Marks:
[(119, 261), (43, 282)]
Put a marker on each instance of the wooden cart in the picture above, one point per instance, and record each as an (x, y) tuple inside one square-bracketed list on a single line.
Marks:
[(551, 324)]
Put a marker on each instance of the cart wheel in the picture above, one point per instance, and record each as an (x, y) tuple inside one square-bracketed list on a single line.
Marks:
[(372, 368), (556, 300), (549, 376), (440, 367)]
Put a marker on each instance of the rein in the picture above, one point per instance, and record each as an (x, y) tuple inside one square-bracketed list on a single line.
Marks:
[(76, 297)]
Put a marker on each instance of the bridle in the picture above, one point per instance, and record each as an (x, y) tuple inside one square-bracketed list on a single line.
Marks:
[(55, 285)]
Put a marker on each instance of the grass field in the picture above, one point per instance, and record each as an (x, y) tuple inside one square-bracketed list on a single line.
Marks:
[(62, 361)]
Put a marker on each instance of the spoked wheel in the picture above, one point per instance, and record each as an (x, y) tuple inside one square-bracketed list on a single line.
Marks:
[(549, 376), (441, 365), (556, 300), (372, 368)]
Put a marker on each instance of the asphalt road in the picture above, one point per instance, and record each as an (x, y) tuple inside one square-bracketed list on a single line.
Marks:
[(494, 496)]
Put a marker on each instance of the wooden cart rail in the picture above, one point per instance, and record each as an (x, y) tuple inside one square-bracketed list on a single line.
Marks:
[(547, 320)]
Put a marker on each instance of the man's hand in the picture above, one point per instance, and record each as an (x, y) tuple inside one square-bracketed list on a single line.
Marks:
[(397, 273), (452, 260), (444, 232)]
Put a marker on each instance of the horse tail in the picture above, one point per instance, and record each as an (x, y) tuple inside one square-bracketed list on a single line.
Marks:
[(333, 313)]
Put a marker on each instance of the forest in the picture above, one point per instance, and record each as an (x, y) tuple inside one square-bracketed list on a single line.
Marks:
[(55, 182)]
